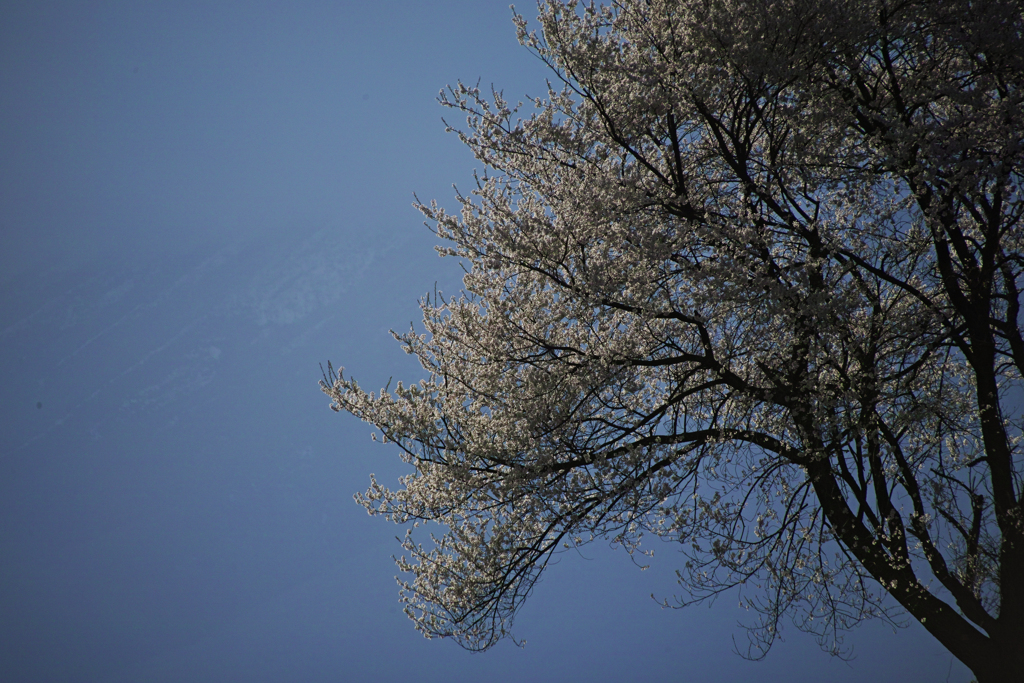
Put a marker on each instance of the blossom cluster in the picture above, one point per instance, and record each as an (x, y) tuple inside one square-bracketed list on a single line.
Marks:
[(746, 280)]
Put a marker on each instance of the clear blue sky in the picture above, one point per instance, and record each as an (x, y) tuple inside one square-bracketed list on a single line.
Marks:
[(199, 203)]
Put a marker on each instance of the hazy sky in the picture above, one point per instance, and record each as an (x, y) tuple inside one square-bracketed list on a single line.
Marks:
[(199, 203)]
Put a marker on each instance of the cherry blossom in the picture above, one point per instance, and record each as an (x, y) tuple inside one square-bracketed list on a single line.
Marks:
[(745, 280)]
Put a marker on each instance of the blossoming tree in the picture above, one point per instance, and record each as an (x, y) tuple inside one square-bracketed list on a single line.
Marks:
[(746, 280)]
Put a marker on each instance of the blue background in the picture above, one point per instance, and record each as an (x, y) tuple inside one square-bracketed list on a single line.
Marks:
[(199, 203)]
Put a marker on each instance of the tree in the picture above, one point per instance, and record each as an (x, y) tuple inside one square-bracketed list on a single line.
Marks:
[(746, 280)]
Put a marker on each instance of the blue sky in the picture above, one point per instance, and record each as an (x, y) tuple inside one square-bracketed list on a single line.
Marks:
[(199, 203)]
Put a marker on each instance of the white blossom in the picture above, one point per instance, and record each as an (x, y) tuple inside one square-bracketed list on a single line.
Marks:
[(745, 279)]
